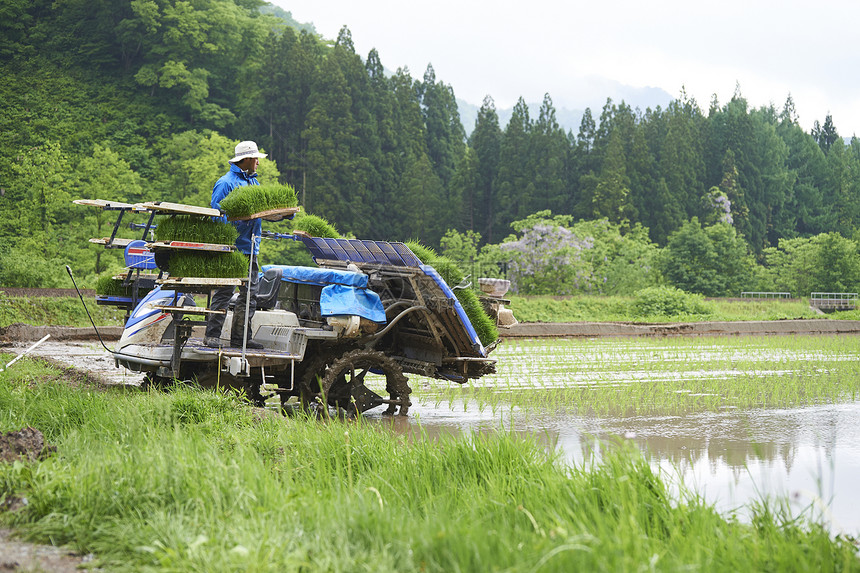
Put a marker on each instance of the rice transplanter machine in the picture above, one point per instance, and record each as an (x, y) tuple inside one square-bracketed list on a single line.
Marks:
[(369, 311)]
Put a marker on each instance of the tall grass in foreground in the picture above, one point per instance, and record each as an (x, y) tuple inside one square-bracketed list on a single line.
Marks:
[(193, 481)]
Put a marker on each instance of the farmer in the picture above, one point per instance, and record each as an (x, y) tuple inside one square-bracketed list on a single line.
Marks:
[(243, 171)]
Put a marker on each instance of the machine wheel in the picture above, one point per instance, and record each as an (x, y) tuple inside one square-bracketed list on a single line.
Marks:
[(309, 374), (343, 383)]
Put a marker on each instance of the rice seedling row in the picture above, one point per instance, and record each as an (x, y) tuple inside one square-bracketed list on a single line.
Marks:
[(649, 377)]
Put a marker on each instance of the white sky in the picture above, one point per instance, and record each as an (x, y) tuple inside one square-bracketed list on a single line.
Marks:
[(575, 50)]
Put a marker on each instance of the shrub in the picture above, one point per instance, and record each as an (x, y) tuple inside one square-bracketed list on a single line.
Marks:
[(668, 301)]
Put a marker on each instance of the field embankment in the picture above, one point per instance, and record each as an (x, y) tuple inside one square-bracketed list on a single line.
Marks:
[(30, 314)]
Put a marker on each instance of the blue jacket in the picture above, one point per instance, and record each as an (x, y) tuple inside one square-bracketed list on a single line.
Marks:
[(247, 229)]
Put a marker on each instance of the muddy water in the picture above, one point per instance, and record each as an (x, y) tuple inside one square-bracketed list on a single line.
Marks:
[(808, 456)]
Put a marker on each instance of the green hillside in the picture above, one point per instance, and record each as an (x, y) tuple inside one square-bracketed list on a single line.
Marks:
[(145, 99)]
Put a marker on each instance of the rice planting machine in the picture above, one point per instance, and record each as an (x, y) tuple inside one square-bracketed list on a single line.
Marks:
[(370, 311)]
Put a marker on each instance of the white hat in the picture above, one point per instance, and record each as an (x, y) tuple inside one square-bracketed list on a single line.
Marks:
[(247, 149)]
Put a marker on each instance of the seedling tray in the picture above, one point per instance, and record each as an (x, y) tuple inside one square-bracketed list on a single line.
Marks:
[(187, 246), (179, 208), (270, 215)]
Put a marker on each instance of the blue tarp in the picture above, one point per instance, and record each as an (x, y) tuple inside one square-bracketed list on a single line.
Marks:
[(467, 324), (338, 300), (319, 277), (343, 293)]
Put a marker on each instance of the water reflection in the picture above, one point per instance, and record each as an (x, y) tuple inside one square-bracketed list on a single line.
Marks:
[(809, 455), (731, 458)]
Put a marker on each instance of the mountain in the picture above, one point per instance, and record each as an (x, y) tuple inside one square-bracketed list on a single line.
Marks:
[(570, 107)]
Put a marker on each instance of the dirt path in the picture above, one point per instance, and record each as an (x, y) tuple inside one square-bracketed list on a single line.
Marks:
[(88, 356), (17, 555)]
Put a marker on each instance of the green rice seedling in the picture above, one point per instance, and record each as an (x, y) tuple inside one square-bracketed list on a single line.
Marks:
[(195, 230), (484, 326), (107, 285), (314, 225), (298, 494), (247, 200), (208, 265), (673, 375)]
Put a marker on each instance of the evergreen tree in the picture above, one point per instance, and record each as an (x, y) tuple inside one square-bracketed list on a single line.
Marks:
[(466, 187), (515, 182), (336, 178), (486, 141), (548, 154), (826, 134), (444, 133), (384, 148), (611, 198), (682, 163), (420, 203)]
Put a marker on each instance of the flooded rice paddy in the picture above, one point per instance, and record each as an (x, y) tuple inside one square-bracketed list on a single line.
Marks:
[(735, 419)]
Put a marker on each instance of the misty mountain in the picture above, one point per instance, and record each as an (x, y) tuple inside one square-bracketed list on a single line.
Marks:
[(569, 110)]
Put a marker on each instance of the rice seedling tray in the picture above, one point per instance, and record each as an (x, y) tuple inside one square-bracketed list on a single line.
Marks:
[(269, 215), (189, 246), (106, 205), (168, 207), (116, 242), (189, 309), (199, 284)]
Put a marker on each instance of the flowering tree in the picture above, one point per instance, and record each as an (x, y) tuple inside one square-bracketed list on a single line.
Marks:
[(717, 207), (547, 259)]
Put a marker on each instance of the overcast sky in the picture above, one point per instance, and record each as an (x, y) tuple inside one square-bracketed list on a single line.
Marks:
[(579, 52)]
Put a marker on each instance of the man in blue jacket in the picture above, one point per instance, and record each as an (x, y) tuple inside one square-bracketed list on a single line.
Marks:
[(243, 171)]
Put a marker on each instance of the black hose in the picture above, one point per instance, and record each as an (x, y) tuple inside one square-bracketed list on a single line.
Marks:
[(394, 321), (69, 270)]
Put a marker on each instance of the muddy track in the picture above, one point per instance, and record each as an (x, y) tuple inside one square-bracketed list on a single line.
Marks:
[(22, 333)]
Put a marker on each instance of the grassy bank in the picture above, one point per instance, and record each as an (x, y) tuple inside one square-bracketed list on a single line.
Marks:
[(191, 481), (625, 309), (68, 311), (55, 311)]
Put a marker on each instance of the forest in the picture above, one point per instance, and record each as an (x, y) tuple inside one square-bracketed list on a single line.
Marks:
[(137, 100)]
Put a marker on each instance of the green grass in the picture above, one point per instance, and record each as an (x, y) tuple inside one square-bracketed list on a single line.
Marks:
[(587, 308), (56, 311), (195, 230), (192, 481), (247, 200)]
